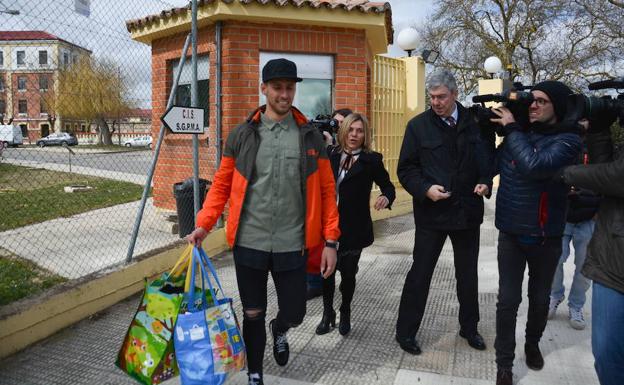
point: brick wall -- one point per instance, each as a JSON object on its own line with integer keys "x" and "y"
{"x": 32, "y": 95}
{"x": 241, "y": 47}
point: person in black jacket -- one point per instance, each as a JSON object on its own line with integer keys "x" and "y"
{"x": 315, "y": 278}
{"x": 582, "y": 207}
{"x": 443, "y": 164}
{"x": 355, "y": 168}
{"x": 530, "y": 215}
{"x": 605, "y": 258}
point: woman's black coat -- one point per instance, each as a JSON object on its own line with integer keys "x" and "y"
{"x": 356, "y": 225}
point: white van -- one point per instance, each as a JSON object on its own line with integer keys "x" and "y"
{"x": 10, "y": 135}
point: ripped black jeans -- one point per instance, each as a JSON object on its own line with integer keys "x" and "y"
{"x": 290, "y": 286}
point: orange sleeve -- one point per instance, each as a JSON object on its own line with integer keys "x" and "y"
{"x": 218, "y": 194}
{"x": 329, "y": 215}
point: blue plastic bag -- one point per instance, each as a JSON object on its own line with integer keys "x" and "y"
{"x": 207, "y": 339}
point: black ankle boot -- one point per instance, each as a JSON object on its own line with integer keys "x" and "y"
{"x": 329, "y": 319}
{"x": 534, "y": 358}
{"x": 345, "y": 322}
{"x": 504, "y": 376}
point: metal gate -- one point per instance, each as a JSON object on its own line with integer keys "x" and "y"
{"x": 389, "y": 104}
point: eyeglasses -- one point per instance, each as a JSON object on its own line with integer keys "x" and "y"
{"x": 541, "y": 101}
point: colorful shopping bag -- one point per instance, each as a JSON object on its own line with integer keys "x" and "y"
{"x": 208, "y": 343}
{"x": 147, "y": 351}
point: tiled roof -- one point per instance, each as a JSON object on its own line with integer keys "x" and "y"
{"x": 365, "y": 6}
{"x": 27, "y": 35}
{"x": 32, "y": 35}
{"x": 139, "y": 113}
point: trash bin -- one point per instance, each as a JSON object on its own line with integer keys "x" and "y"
{"x": 183, "y": 193}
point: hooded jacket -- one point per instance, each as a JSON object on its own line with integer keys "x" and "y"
{"x": 237, "y": 165}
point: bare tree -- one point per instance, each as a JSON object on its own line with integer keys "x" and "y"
{"x": 609, "y": 16}
{"x": 535, "y": 40}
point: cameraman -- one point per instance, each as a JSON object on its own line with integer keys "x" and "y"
{"x": 605, "y": 259}
{"x": 530, "y": 214}
{"x": 338, "y": 115}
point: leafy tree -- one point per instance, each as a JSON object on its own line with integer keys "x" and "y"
{"x": 92, "y": 90}
{"x": 535, "y": 39}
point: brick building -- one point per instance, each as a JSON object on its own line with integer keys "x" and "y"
{"x": 29, "y": 65}
{"x": 333, "y": 43}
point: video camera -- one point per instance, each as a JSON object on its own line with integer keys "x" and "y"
{"x": 605, "y": 109}
{"x": 516, "y": 99}
{"x": 325, "y": 123}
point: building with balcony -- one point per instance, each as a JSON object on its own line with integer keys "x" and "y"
{"x": 30, "y": 62}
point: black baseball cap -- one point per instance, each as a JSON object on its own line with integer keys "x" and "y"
{"x": 280, "y": 69}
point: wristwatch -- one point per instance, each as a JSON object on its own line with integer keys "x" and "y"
{"x": 332, "y": 245}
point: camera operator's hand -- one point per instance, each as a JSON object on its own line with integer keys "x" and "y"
{"x": 505, "y": 116}
{"x": 329, "y": 140}
{"x": 437, "y": 192}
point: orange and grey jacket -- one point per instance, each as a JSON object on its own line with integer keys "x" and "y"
{"x": 237, "y": 165}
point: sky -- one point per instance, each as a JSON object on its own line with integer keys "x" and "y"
{"x": 104, "y": 31}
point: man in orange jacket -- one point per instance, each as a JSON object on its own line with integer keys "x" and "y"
{"x": 276, "y": 175}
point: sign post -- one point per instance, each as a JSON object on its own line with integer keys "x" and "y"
{"x": 184, "y": 120}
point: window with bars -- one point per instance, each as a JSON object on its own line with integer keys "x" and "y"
{"x": 183, "y": 92}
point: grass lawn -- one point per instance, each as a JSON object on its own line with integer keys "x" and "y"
{"x": 20, "y": 279}
{"x": 32, "y": 195}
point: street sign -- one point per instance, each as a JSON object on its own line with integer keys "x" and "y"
{"x": 184, "y": 120}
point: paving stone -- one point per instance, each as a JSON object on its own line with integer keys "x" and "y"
{"x": 85, "y": 353}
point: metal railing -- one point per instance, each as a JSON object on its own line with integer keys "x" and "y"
{"x": 388, "y": 115}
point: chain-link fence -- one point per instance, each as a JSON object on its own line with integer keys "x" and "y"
{"x": 77, "y": 135}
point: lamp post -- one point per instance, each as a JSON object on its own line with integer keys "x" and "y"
{"x": 407, "y": 40}
{"x": 493, "y": 65}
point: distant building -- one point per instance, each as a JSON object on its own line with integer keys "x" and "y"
{"x": 136, "y": 120}
{"x": 30, "y": 62}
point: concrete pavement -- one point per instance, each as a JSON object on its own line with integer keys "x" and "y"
{"x": 85, "y": 243}
{"x": 84, "y": 353}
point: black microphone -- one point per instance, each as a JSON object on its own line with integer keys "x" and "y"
{"x": 613, "y": 83}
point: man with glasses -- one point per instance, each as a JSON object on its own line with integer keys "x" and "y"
{"x": 530, "y": 214}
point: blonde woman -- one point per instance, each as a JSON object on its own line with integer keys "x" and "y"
{"x": 355, "y": 168}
